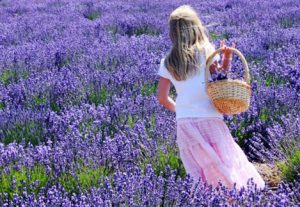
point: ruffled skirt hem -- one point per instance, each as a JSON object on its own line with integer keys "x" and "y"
{"x": 208, "y": 150}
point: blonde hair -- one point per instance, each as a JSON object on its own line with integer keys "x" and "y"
{"x": 189, "y": 37}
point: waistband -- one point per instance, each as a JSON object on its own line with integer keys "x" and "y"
{"x": 191, "y": 119}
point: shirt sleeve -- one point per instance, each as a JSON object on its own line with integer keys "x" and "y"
{"x": 162, "y": 70}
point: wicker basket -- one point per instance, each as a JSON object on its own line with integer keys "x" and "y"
{"x": 229, "y": 96}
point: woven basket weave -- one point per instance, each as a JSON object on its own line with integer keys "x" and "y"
{"x": 229, "y": 96}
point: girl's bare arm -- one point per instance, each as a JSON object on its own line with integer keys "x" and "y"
{"x": 227, "y": 56}
{"x": 225, "y": 66}
{"x": 226, "y": 60}
{"x": 164, "y": 86}
{"x": 226, "y": 63}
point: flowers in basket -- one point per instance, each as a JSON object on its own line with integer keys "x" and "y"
{"x": 219, "y": 75}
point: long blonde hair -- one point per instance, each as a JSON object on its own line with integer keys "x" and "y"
{"x": 189, "y": 37}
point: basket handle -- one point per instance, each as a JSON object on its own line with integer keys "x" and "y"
{"x": 241, "y": 56}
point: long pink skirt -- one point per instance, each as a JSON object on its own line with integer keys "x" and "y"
{"x": 208, "y": 150}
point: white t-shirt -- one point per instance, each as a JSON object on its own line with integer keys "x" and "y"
{"x": 192, "y": 100}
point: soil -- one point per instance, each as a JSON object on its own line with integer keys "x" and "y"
{"x": 270, "y": 173}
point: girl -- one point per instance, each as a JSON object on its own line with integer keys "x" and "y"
{"x": 206, "y": 147}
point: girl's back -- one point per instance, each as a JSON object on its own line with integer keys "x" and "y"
{"x": 192, "y": 99}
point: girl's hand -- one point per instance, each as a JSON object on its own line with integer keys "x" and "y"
{"x": 227, "y": 53}
{"x": 227, "y": 56}
{"x": 164, "y": 99}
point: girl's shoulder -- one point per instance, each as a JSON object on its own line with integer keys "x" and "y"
{"x": 162, "y": 70}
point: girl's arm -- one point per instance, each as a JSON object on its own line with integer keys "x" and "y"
{"x": 227, "y": 56}
{"x": 164, "y": 86}
{"x": 226, "y": 60}
{"x": 226, "y": 63}
{"x": 225, "y": 66}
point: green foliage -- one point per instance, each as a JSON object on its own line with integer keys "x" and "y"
{"x": 274, "y": 79}
{"x": 264, "y": 114}
{"x": 137, "y": 31}
{"x": 152, "y": 121}
{"x": 215, "y": 36}
{"x": 92, "y": 15}
{"x": 9, "y": 76}
{"x": 151, "y": 124}
{"x": 54, "y": 106}
{"x": 242, "y": 137}
{"x": 98, "y": 96}
{"x": 291, "y": 168}
{"x": 39, "y": 100}
{"x": 33, "y": 179}
{"x": 268, "y": 115}
{"x": 148, "y": 89}
{"x": 86, "y": 126}
{"x": 142, "y": 30}
{"x": 31, "y": 131}
{"x": 131, "y": 120}
{"x": 163, "y": 159}
{"x": 289, "y": 144}
{"x": 2, "y": 105}
{"x": 84, "y": 178}
{"x": 225, "y": 36}
{"x": 287, "y": 22}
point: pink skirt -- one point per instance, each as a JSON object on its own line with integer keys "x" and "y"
{"x": 208, "y": 150}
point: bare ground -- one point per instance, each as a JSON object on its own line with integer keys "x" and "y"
{"x": 270, "y": 173}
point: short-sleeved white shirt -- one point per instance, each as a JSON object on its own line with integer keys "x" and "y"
{"x": 191, "y": 100}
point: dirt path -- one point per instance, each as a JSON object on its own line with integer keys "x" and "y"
{"x": 270, "y": 173}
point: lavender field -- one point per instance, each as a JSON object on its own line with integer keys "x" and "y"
{"x": 80, "y": 124}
